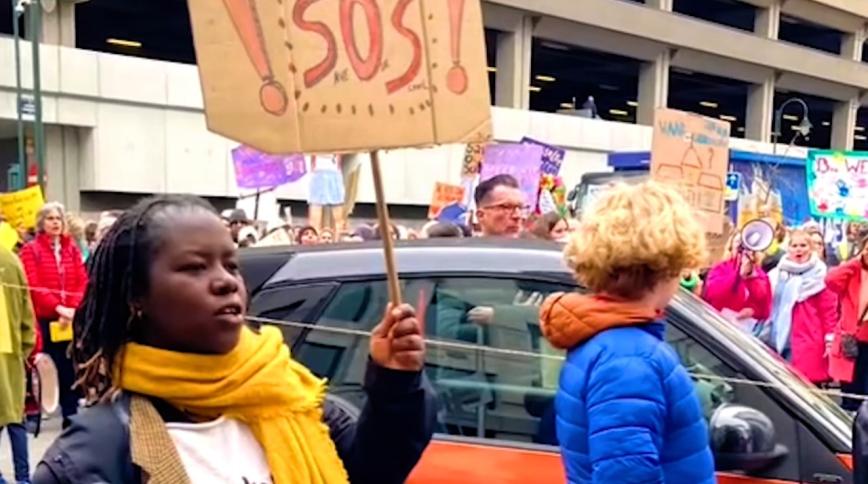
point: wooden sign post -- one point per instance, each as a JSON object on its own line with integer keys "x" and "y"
{"x": 344, "y": 76}
{"x": 385, "y": 231}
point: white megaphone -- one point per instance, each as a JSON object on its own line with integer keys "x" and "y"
{"x": 757, "y": 235}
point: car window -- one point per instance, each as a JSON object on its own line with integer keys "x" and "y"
{"x": 494, "y": 374}
{"x": 283, "y": 305}
{"x": 718, "y": 382}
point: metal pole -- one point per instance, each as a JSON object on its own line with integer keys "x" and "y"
{"x": 22, "y": 158}
{"x": 38, "y": 133}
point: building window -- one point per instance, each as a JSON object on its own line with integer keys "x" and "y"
{"x": 155, "y": 30}
{"x": 564, "y": 77}
{"x": 491, "y": 36}
{"x": 809, "y": 34}
{"x": 731, "y": 13}
{"x": 860, "y": 136}
{"x": 712, "y": 96}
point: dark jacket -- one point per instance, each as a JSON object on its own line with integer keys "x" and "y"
{"x": 379, "y": 445}
{"x": 860, "y": 446}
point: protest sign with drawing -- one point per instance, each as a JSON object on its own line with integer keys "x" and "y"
{"x": 552, "y": 157}
{"x": 298, "y": 76}
{"x": 444, "y": 195}
{"x": 20, "y": 208}
{"x": 692, "y": 152}
{"x": 838, "y": 184}
{"x": 522, "y": 161}
{"x": 257, "y": 170}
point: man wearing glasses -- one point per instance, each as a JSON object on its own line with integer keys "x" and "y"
{"x": 501, "y": 207}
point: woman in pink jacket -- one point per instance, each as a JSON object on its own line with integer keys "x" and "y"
{"x": 850, "y": 282}
{"x": 804, "y": 310}
{"x": 739, "y": 286}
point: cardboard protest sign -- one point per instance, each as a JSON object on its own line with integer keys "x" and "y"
{"x": 302, "y": 76}
{"x": 716, "y": 246}
{"x": 473, "y": 154}
{"x": 277, "y": 238}
{"x": 20, "y": 208}
{"x": 520, "y": 161}
{"x": 692, "y": 152}
{"x": 257, "y": 170}
{"x": 838, "y": 184}
{"x": 444, "y": 195}
{"x": 552, "y": 157}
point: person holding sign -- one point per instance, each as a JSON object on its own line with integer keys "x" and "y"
{"x": 162, "y": 338}
{"x": 57, "y": 279}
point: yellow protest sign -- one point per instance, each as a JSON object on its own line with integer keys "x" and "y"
{"x": 692, "y": 152}
{"x": 60, "y": 331}
{"x": 343, "y": 76}
{"x": 20, "y": 208}
{"x": 8, "y": 236}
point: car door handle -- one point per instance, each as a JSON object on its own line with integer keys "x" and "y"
{"x": 830, "y": 478}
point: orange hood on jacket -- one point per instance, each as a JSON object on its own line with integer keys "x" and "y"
{"x": 567, "y": 319}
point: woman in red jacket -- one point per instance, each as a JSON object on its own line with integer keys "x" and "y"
{"x": 804, "y": 310}
{"x": 57, "y": 279}
{"x": 848, "y": 281}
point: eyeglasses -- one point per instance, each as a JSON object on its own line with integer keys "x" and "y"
{"x": 509, "y": 208}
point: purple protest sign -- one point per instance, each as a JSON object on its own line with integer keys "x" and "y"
{"x": 257, "y": 170}
{"x": 552, "y": 156}
{"x": 519, "y": 160}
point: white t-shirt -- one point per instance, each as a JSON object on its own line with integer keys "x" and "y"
{"x": 220, "y": 451}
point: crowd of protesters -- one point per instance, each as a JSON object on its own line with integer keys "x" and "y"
{"x": 805, "y": 299}
{"x": 501, "y": 212}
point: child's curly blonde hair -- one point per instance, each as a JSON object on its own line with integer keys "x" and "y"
{"x": 635, "y": 237}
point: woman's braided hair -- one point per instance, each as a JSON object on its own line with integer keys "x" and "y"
{"x": 118, "y": 274}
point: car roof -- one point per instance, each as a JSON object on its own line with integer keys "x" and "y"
{"x": 442, "y": 255}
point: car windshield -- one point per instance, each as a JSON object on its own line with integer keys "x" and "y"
{"x": 832, "y": 414}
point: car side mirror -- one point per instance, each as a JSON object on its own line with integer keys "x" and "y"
{"x": 743, "y": 439}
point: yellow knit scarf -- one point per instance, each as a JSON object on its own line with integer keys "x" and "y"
{"x": 257, "y": 383}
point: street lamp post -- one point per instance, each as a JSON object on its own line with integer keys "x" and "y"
{"x": 804, "y": 127}
{"x": 17, "y": 10}
{"x": 38, "y": 128}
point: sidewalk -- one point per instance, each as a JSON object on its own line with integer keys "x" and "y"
{"x": 38, "y": 446}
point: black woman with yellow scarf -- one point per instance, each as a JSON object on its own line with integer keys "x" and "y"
{"x": 182, "y": 391}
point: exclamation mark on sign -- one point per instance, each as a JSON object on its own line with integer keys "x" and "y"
{"x": 272, "y": 95}
{"x": 456, "y": 79}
